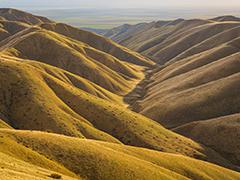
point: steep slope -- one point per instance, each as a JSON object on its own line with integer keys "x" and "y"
{"x": 58, "y": 79}
{"x": 52, "y": 103}
{"x": 172, "y": 48}
{"x": 99, "y": 42}
{"x": 165, "y": 40}
{"x": 3, "y": 34}
{"x": 201, "y": 83}
{"x": 4, "y": 124}
{"x": 111, "y": 62}
{"x": 97, "y": 160}
{"x": 76, "y": 57}
{"x": 202, "y": 93}
{"x": 227, "y": 141}
{"x": 125, "y": 31}
{"x": 8, "y": 28}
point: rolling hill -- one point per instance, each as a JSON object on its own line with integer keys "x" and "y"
{"x": 227, "y": 130}
{"x": 164, "y": 41}
{"x": 63, "y": 109}
{"x": 198, "y": 80}
{"x": 88, "y": 159}
{"x": 52, "y": 99}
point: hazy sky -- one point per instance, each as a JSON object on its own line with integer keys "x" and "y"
{"x": 118, "y": 3}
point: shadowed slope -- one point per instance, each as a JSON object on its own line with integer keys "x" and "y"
{"x": 171, "y": 49}
{"x": 8, "y": 28}
{"x": 224, "y": 133}
{"x": 197, "y": 94}
{"x": 4, "y": 124}
{"x": 164, "y": 41}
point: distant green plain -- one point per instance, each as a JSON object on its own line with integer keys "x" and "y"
{"x": 109, "y": 18}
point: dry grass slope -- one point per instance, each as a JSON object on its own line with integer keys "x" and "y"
{"x": 227, "y": 140}
{"x": 53, "y": 104}
{"x": 198, "y": 81}
{"x": 58, "y": 79}
{"x": 97, "y": 160}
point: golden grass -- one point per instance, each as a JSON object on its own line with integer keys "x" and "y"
{"x": 78, "y": 58}
{"x": 97, "y": 160}
{"x": 100, "y": 43}
{"x": 53, "y": 104}
{"x": 58, "y": 79}
{"x": 4, "y": 124}
{"x": 13, "y": 168}
{"x": 224, "y": 133}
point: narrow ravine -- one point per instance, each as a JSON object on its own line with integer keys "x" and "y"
{"x": 140, "y": 90}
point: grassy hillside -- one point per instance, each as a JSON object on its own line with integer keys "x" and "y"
{"x": 99, "y": 42}
{"x": 63, "y": 102}
{"x": 13, "y": 168}
{"x": 227, "y": 140}
{"x": 164, "y": 41}
{"x": 202, "y": 93}
{"x": 76, "y": 57}
{"x": 198, "y": 81}
{"x": 55, "y": 105}
{"x": 97, "y": 160}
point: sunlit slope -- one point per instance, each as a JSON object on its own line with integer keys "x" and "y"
{"x": 97, "y": 160}
{"x": 69, "y": 78}
{"x": 13, "y": 168}
{"x": 58, "y": 79}
{"x": 34, "y": 98}
{"x": 28, "y": 103}
{"x": 99, "y": 42}
{"x": 225, "y": 36}
{"x": 21, "y": 162}
{"x": 76, "y": 57}
{"x": 199, "y": 79}
{"x": 224, "y": 133}
{"x": 4, "y": 124}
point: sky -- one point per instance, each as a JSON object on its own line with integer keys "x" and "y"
{"x": 119, "y": 3}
